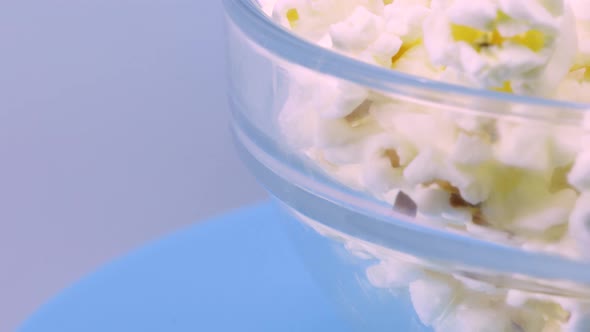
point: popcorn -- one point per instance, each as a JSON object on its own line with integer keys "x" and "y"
{"x": 298, "y": 122}
{"x": 358, "y": 31}
{"x": 383, "y": 160}
{"x": 419, "y": 127}
{"x": 290, "y": 12}
{"x": 573, "y": 88}
{"x": 471, "y": 150}
{"x": 432, "y": 200}
{"x": 523, "y": 146}
{"x": 429, "y": 166}
{"x": 387, "y": 146}
{"x": 404, "y": 18}
{"x": 579, "y": 176}
{"x": 581, "y": 9}
{"x": 432, "y": 297}
{"x": 479, "y": 14}
{"x": 502, "y": 175}
{"x": 393, "y": 273}
{"x": 346, "y": 154}
{"x": 536, "y": 13}
{"x": 504, "y": 45}
{"x": 311, "y": 18}
{"x": 267, "y": 6}
{"x": 476, "y": 316}
{"x": 579, "y": 224}
{"x": 460, "y": 302}
{"x": 480, "y": 287}
{"x": 553, "y": 211}
{"x": 340, "y": 99}
{"x": 383, "y": 49}
{"x": 338, "y": 132}
{"x": 413, "y": 59}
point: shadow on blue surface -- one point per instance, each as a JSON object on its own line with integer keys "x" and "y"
{"x": 237, "y": 272}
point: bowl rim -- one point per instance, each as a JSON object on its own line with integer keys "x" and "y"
{"x": 275, "y": 39}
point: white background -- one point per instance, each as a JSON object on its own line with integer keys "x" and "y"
{"x": 113, "y": 132}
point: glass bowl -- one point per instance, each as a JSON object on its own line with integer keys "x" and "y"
{"x": 388, "y": 259}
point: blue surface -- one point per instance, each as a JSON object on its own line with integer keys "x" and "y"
{"x": 233, "y": 273}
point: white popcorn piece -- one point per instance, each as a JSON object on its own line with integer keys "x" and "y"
{"x": 404, "y": 18}
{"x": 579, "y": 176}
{"x": 383, "y": 159}
{"x": 348, "y": 174}
{"x": 458, "y": 216}
{"x": 325, "y": 41}
{"x": 476, "y": 316}
{"x": 338, "y": 99}
{"x": 267, "y": 6}
{"x": 291, "y": 13}
{"x": 513, "y": 62}
{"x": 311, "y": 19}
{"x": 432, "y": 200}
{"x": 572, "y": 88}
{"x": 523, "y": 146}
{"x": 359, "y": 30}
{"x": 429, "y": 166}
{"x": 432, "y": 297}
{"x": 566, "y": 145}
{"x": 380, "y": 145}
{"x": 537, "y": 311}
{"x": 479, "y": 14}
{"x": 383, "y": 49}
{"x": 383, "y": 113}
{"x": 415, "y": 61}
{"x": 579, "y": 224}
{"x": 534, "y": 12}
{"x": 481, "y": 287}
{"x": 340, "y": 132}
{"x": 553, "y": 211}
{"x": 581, "y": 8}
{"x": 473, "y": 123}
{"x": 533, "y": 320}
{"x": 471, "y": 150}
{"x": 435, "y": 204}
{"x": 380, "y": 177}
{"x": 345, "y": 154}
{"x": 546, "y": 81}
{"x": 298, "y": 122}
{"x": 516, "y": 193}
{"x": 393, "y": 274}
{"x": 423, "y": 130}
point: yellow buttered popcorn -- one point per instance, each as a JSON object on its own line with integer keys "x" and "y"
{"x": 525, "y": 47}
